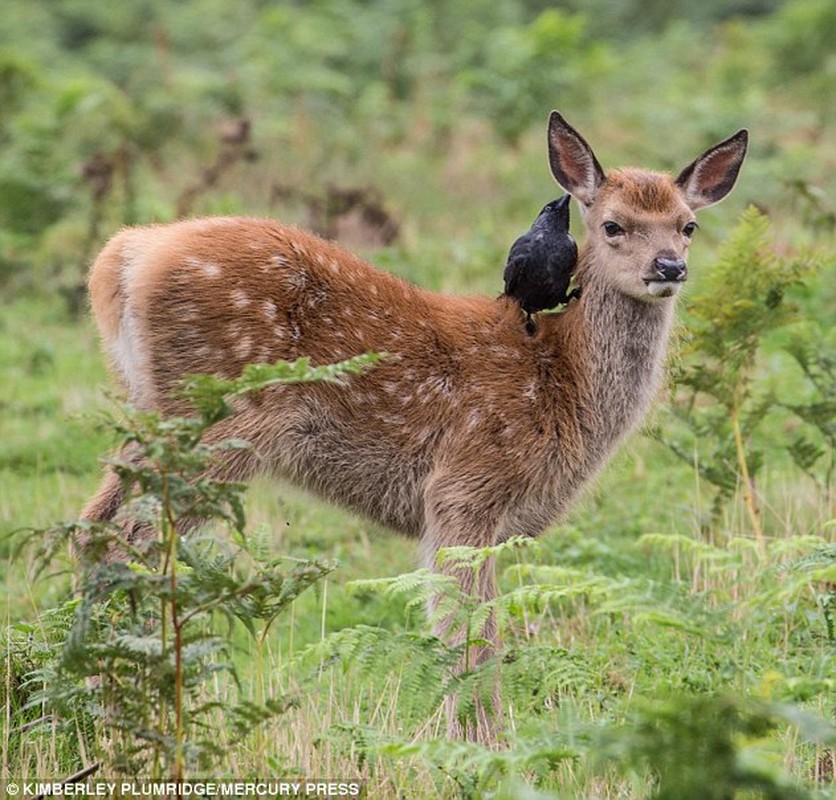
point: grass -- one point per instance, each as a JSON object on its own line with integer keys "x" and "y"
{"x": 631, "y": 603}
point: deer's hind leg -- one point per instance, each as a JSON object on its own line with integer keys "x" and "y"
{"x": 103, "y": 507}
{"x": 237, "y": 464}
{"x": 104, "y": 504}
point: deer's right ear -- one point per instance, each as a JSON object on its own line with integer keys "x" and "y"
{"x": 572, "y": 161}
{"x": 711, "y": 177}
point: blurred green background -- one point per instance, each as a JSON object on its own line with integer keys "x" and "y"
{"x": 118, "y": 113}
{"x": 414, "y": 133}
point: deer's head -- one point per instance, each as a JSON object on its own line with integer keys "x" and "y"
{"x": 640, "y": 222}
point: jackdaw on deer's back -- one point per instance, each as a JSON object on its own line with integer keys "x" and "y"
{"x": 541, "y": 262}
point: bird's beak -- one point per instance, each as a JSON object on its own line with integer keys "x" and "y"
{"x": 561, "y": 211}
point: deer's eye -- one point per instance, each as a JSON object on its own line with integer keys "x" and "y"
{"x": 689, "y": 229}
{"x": 613, "y": 229}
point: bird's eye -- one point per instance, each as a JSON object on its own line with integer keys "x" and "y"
{"x": 689, "y": 229}
{"x": 613, "y": 229}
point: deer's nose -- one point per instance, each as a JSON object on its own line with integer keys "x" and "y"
{"x": 670, "y": 269}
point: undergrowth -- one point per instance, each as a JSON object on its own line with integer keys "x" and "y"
{"x": 153, "y": 623}
{"x": 641, "y": 659}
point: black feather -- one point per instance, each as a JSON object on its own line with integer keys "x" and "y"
{"x": 541, "y": 262}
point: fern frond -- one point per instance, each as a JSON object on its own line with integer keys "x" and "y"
{"x": 475, "y": 557}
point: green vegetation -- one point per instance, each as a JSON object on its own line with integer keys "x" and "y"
{"x": 141, "y": 647}
{"x": 675, "y": 638}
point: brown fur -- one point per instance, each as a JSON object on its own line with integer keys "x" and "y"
{"x": 643, "y": 191}
{"x": 471, "y": 430}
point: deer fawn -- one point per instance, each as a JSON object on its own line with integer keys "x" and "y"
{"x": 472, "y": 430}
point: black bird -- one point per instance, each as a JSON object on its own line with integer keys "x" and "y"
{"x": 541, "y": 262}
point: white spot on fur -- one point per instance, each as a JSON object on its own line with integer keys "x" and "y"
{"x": 240, "y": 299}
{"x": 279, "y": 260}
{"x": 334, "y": 266}
{"x": 473, "y": 418}
{"x": 279, "y": 332}
{"x": 244, "y": 347}
{"x": 270, "y": 309}
{"x": 435, "y": 385}
{"x": 366, "y": 399}
{"x": 373, "y": 289}
{"x": 509, "y": 431}
{"x": 209, "y": 269}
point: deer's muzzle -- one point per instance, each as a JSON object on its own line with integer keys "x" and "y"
{"x": 665, "y": 276}
{"x": 670, "y": 269}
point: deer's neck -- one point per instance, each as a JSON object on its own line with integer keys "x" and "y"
{"x": 623, "y": 342}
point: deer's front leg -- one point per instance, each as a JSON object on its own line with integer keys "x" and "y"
{"x": 453, "y": 522}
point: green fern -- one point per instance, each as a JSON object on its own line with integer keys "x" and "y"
{"x": 814, "y": 350}
{"x": 708, "y": 747}
{"x": 420, "y": 664}
{"x": 210, "y": 396}
{"x": 146, "y": 630}
{"x": 742, "y": 299}
{"x": 474, "y": 558}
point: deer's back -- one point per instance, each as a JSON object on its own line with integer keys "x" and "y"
{"x": 463, "y": 387}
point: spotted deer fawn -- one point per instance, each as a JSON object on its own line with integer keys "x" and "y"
{"x": 471, "y": 430}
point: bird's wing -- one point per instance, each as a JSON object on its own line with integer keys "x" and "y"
{"x": 515, "y": 266}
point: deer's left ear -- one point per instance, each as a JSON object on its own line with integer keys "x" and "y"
{"x": 572, "y": 161}
{"x": 713, "y": 174}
